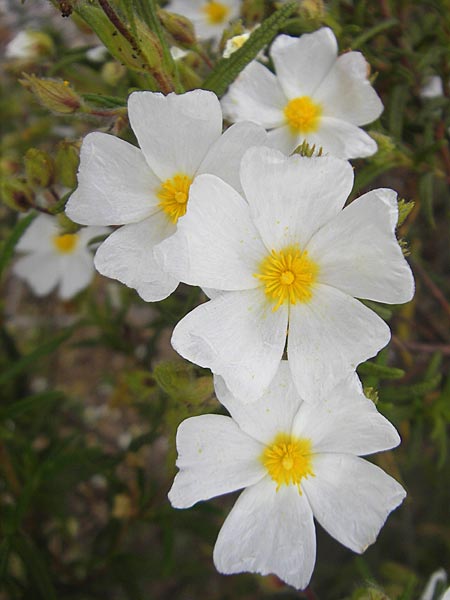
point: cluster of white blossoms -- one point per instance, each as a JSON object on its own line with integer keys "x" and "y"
{"x": 285, "y": 266}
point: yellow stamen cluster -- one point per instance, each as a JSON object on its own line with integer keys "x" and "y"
{"x": 288, "y": 460}
{"x": 216, "y": 12}
{"x": 66, "y": 243}
{"x": 173, "y": 195}
{"x": 288, "y": 275}
{"x": 302, "y": 114}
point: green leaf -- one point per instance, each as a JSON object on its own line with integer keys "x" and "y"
{"x": 426, "y": 184}
{"x": 372, "y": 32}
{"x": 104, "y": 100}
{"x": 29, "y": 359}
{"x": 228, "y": 69}
{"x": 30, "y": 403}
{"x": 36, "y": 566}
{"x": 380, "y": 371}
{"x": 7, "y": 249}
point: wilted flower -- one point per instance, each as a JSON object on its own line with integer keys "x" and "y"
{"x": 147, "y": 190}
{"x": 287, "y": 262}
{"x": 56, "y": 259}
{"x": 295, "y": 461}
{"x": 314, "y": 96}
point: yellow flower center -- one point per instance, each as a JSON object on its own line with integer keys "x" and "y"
{"x": 288, "y": 460}
{"x": 216, "y": 12}
{"x": 173, "y": 195}
{"x": 66, "y": 243}
{"x": 288, "y": 275}
{"x": 302, "y": 114}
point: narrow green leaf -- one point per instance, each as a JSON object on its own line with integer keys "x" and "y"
{"x": 228, "y": 69}
{"x": 411, "y": 392}
{"x": 372, "y": 32}
{"x": 426, "y": 184}
{"x": 36, "y": 566}
{"x": 7, "y": 248}
{"x": 29, "y": 359}
{"x": 381, "y": 371}
{"x": 36, "y": 401}
{"x": 398, "y": 99}
{"x": 104, "y": 100}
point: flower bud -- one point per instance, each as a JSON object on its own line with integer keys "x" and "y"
{"x": 56, "y": 95}
{"x": 179, "y": 27}
{"x": 39, "y": 168}
{"x": 112, "y": 72}
{"x": 66, "y": 163}
{"x": 17, "y": 194}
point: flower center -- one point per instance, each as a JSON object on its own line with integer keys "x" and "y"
{"x": 288, "y": 460}
{"x": 302, "y": 114}
{"x": 216, "y": 12}
{"x": 66, "y": 243}
{"x": 173, "y": 195}
{"x": 288, "y": 275}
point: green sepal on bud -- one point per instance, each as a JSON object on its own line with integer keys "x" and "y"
{"x": 17, "y": 194}
{"x": 371, "y": 393}
{"x": 180, "y": 29}
{"x": 66, "y": 163}
{"x": 39, "y": 168}
{"x": 54, "y": 94}
{"x": 405, "y": 208}
{"x": 179, "y": 381}
{"x": 309, "y": 151}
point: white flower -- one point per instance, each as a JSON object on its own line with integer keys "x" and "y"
{"x": 210, "y": 17}
{"x": 56, "y": 259}
{"x": 234, "y": 43}
{"x": 295, "y": 461}
{"x": 27, "y": 45}
{"x": 314, "y": 96}
{"x": 432, "y": 88}
{"x": 147, "y": 190}
{"x": 286, "y": 258}
{"x": 437, "y": 578}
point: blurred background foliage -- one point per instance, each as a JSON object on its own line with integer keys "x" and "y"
{"x": 91, "y": 392}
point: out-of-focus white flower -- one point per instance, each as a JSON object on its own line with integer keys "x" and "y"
{"x": 56, "y": 259}
{"x": 147, "y": 190}
{"x": 28, "y": 45}
{"x": 209, "y": 17}
{"x": 432, "y": 88}
{"x": 437, "y": 578}
{"x": 97, "y": 54}
{"x": 295, "y": 461}
{"x": 288, "y": 262}
{"x": 314, "y": 96}
{"x": 178, "y": 53}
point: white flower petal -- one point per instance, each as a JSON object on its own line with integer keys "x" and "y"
{"x": 237, "y": 336}
{"x": 77, "y": 273}
{"x": 328, "y": 337}
{"x": 87, "y": 234}
{"x": 115, "y": 184}
{"x": 342, "y": 139}
{"x": 284, "y": 140}
{"x": 269, "y": 531}
{"x": 224, "y": 157}
{"x": 214, "y": 457}
{"x": 255, "y": 96}
{"x": 175, "y": 131}
{"x": 291, "y": 198}
{"x": 347, "y": 94}
{"x": 41, "y": 271}
{"x": 439, "y": 576}
{"x": 273, "y": 413}
{"x": 358, "y": 251}
{"x": 216, "y": 244}
{"x": 346, "y": 421}
{"x": 38, "y": 235}
{"x": 302, "y": 63}
{"x": 127, "y": 255}
{"x": 351, "y": 498}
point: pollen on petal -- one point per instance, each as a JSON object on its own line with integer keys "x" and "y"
{"x": 288, "y": 460}
{"x": 288, "y": 276}
{"x": 66, "y": 243}
{"x": 303, "y": 114}
{"x": 173, "y": 195}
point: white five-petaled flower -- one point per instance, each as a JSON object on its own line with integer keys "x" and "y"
{"x": 209, "y": 17}
{"x": 146, "y": 190}
{"x": 295, "y": 461}
{"x": 314, "y": 95}
{"x": 286, "y": 261}
{"x": 56, "y": 259}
